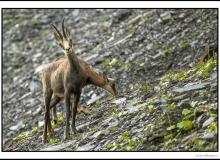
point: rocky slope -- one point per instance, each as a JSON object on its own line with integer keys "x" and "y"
{"x": 167, "y": 91}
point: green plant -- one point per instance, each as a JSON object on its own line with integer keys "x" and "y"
{"x": 198, "y": 144}
{"x": 21, "y": 137}
{"x": 168, "y": 51}
{"x": 60, "y": 118}
{"x": 170, "y": 107}
{"x": 212, "y": 128}
{"x": 53, "y": 124}
{"x": 34, "y": 130}
{"x": 53, "y": 141}
{"x": 151, "y": 109}
{"x": 186, "y": 112}
{"x": 204, "y": 69}
{"x": 183, "y": 45}
{"x": 171, "y": 127}
{"x": 185, "y": 125}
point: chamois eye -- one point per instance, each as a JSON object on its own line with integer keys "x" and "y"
{"x": 68, "y": 49}
{"x": 61, "y": 46}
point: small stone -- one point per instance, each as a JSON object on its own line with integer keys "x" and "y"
{"x": 182, "y": 15}
{"x": 114, "y": 123}
{"x": 180, "y": 97}
{"x": 34, "y": 86}
{"x": 37, "y": 111}
{"x": 119, "y": 101}
{"x": 93, "y": 56}
{"x": 40, "y": 124}
{"x": 160, "y": 54}
{"x": 18, "y": 126}
{"x": 75, "y": 13}
{"x": 149, "y": 46}
{"x": 28, "y": 113}
{"x": 58, "y": 147}
{"x": 190, "y": 137}
{"x": 208, "y": 136}
{"x": 94, "y": 98}
{"x": 191, "y": 86}
{"x": 214, "y": 75}
{"x": 166, "y": 15}
{"x": 131, "y": 108}
{"x": 98, "y": 135}
{"x": 86, "y": 147}
{"x": 208, "y": 122}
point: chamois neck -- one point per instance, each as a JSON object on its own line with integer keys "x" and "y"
{"x": 96, "y": 79}
{"x": 74, "y": 62}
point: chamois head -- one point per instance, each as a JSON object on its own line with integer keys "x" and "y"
{"x": 109, "y": 85}
{"x": 65, "y": 40}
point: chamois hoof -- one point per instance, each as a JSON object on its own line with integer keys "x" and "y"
{"x": 73, "y": 131}
{"x": 44, "y": 141}
{"x": 66, "y": 136}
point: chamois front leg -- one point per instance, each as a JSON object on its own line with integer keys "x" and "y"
{"x": 47, "y": 125}
{"x": 67, "y": 128}
{"x": 74, "y": 111}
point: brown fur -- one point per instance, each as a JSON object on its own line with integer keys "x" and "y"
{"x": 65, "y": 78}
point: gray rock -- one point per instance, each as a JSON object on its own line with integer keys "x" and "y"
{"x": 189, "y": 137}
{"x": 28, "y": 113}
{"x": 208, "y": 122}
{"x": 82, "y": 126}
{"x": 191, "y": 86}
{"x": 95, "y": 98}
{"x": 208, "y": 136}
{"x": 86, "y": 147}
{"x": 131, "y": 108}
{"x": 18, "y": 126}
{"x": 214, "y": 75}
{"x": 40, "y": 124}
{"x": 98, "y": 135}
{"x": 93, "y": 56}
{"x": 160, "y": 54}
{"x": 75, "y": 13}
{"x": 119, "y": 101}
{"x": 115, "y": 123}
{"x": 58, "y": 147}
{"x": 166, "y": 15}
{"x": 38, "y": 110}
{"x": 149, "y": 46}
{"x": 182, "y": 96}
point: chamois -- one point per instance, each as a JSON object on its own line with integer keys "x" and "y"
{"x": 65, "y": 78}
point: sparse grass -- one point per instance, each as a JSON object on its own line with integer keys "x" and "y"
{"x": 108, "y": 65}
{"x": 25, "y": 135}
{"x": 53, "y": 141}
{"x": 123, "y": 142}
{"x": 204, "y": 69}
{"x": 183, "y": 45}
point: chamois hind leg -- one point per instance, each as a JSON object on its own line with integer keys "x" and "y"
{"x": 74, "y": 111}
{"x": 54, "y": 102}
{"x": 67, "y": 103}
{"x": 47, "y": 124}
